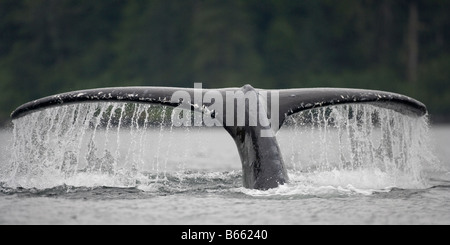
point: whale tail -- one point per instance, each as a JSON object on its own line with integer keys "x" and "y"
{"x": 251, "y": 116}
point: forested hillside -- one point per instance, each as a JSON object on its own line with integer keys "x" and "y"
{"x": 51, "y": 46}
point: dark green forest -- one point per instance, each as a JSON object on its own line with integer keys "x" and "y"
{"x": 52, "y": 46}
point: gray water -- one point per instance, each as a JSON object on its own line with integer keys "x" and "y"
{"x": 193, "y": 176}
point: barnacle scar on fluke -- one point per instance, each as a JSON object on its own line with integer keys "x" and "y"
{"x": 262, "y": 163}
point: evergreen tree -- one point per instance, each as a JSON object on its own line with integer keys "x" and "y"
{"x": 221, "y": 47}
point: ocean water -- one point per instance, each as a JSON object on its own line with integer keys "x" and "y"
{"x": 100, "y": 170}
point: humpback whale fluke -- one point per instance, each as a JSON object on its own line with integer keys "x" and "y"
{"x": 262, "y": 110}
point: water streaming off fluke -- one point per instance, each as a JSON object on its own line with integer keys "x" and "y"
{"x": 132, "y": 144}
{"x": 357, "y": 145}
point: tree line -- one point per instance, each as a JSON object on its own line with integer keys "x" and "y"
{"x": 52, "y": 46}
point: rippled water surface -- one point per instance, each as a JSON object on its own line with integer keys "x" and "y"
{"x": 193, "y": 176}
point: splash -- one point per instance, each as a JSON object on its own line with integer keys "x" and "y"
{"x": 108, "y": 142}
{"x": 340, "y": 149}
{"x": 357, "y": 145}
